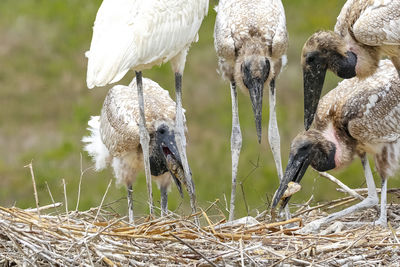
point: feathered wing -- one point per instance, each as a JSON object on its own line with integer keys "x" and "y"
{"x": 376, "y": 107}
{"x": 342, "y": 22}
{"x": 139, "y": 34}
{"x": 379, "y": 24}
{"x": 223, "y": 40}
{"x": 95, "y": 146}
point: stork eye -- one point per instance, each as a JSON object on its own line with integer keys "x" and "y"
{"x": 304, "y": 147}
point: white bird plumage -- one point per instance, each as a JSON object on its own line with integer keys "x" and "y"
{"x": 138, "y": 34}
{"x": 115, "y": 139}
{"x": 129, "y": 34}
{"x": 251, "y": 35}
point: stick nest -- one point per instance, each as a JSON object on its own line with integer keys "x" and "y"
{"x": 101, "y": 237}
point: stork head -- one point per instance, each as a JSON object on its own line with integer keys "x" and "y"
{"x": 308, "y": 148}
{"x": 164, "y": 155}
{"x": 252, "y": 72}
{"x": 323, "y": 50}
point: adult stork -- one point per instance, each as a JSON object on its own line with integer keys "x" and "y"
{"x": 359, "y": 116}
{"x": 115, "y": 138}
{"x": 251, "y": 40}
{"x": 138, "y": 34}
{"x": 365, "y": 31}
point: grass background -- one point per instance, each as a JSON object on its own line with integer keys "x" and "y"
{"x": 45, "y": 106}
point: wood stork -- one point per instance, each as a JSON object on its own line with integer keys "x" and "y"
{"x": 251, "y": 40}
{"x": 115, "y": 138}
{"x": 138, "y": 34}
{"x": 359, "y": 116}
{"x": 365, "y": 31}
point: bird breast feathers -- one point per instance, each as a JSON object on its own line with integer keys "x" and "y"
{"x": 238, "y": 21}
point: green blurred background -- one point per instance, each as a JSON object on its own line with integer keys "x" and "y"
{"x": 45, "y": 106}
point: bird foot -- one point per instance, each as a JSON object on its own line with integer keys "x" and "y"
{"x": 336, "y": 227}
{"x": 311, "y": 228}
{"x": 382, "y": 222}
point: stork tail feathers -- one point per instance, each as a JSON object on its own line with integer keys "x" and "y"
{"x": 95, "y": 146}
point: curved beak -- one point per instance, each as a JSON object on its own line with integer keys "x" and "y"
{"x": 256, "y": 97}
{"x": 297, "y": 166}
{"x": 313, "y": 77}
{"x": 173, "y": 160}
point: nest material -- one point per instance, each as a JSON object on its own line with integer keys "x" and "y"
{"x": 100, "y": 237}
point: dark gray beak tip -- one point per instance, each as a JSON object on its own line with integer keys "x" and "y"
{"x": 259, "y": 130}
{"x": 308, "y": 119}
{"x": 180, "y": 191}
{"x": 256, "y": 101}
{"x": 277, "y": 196}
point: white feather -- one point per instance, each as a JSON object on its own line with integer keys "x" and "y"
{"x": 95, "y": 146}
{"x": 138, "y": 34}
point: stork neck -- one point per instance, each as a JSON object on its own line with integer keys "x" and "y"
{"x": 330, "y": 134}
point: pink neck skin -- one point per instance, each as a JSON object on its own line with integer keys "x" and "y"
{"x": 330, "y": 135}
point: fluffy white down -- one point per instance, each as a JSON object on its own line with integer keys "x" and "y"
{"x": 95, "y": 146}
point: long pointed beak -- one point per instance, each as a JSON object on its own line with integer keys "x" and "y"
{"x": 173, "y": 160}
{"x": 313, "y": 76}
{"x": 297, "y": 166}
{"x": 256, "y": 97}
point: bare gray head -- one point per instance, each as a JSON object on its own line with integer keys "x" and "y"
{"x": 308, "y": 148}
{"x": 164, "y": 154}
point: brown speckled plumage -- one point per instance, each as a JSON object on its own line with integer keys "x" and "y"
{"x": 358, "y": 117}
{"x": 119, "y": 123}
{"x": 251, "y": 40}
{"x": 365, "y": 115}
{"x": 369, "y": 28}
{"x": 249, "y": 27}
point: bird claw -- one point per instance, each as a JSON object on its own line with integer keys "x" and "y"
{"x": 333, "y": 228}
{"x": 381, "y": 222}
{"x": 310, "y": 228}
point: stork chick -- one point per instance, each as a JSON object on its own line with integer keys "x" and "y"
{"x": 359, "y": 116}
{"x": 139, "y": 34}
{"x": 251, "y": 40}
{"x": 364, "y": 32}
{"x": 115, "y": 138}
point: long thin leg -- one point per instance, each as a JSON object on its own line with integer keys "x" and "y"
{"x": 164, "y": 201}
{"x": 383, "y": 217}
{"x": 130, "y": 205}
{"x": 181, "y": 142}
{"x": 236, "y": 145}
{"x": 370, "y": 201}
{"x": 274, "y": 138}
{"x": 144, "y": 139}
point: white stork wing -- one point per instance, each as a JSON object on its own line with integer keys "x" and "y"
{"x": 379, "y": 24}
{"x": 139, "y": 34}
